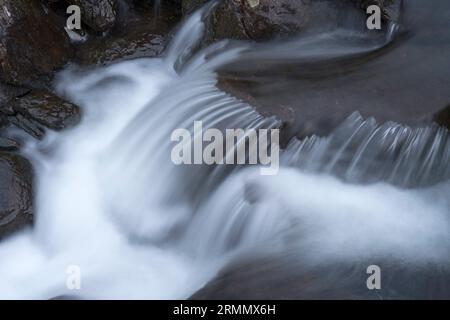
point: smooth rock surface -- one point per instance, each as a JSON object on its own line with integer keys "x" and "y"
{"x": 286, "y": 276}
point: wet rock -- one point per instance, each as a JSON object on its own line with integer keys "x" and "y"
{"x": 143, "y": 35}
{"x": 443, "y": 117}
{"x": 267, "y": 19}
{"x": 29, "y": 126}
{"x": 33, "y": 42}
{"x": 136, "y": 44}
{"x": 15, "y": 193}
{"x": 262, "y": 278}
{"x": 8, "y": 92}
{"x": 42, "y": 109}
{"x": 287, "y": 276}
{"x": 100, "y": 15}
{"x": 7, "y": 144}
{"x": 259, "y": 20}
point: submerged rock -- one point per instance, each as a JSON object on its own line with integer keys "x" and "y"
{"x": 33, "y": 42}
{"x": 40, "y": 109}
{"x": 15, "y": 193}
{"x": 100, "y": 15}
{"x": 287, "y": 276}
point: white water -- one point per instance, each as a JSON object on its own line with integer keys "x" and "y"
{"x": 110, "y": 201}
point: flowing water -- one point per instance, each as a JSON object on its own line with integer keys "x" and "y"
{"x": 110, "y": 201}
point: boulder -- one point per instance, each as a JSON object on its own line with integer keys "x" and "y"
{"x": 15, "y": 193}
{"x": 42, "y": 109}
{"x": 33, "y": 42}
{"x": 135, "y": 44}
{"x": 143, "y": 34}
{"x": 259, "y": 20}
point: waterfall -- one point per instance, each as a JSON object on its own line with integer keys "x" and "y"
{"x": 361, "y": 151}
{"x": 110, "y": 201}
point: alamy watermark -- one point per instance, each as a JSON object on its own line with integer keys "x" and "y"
{"x": 374, "y": 280}
{"x": 74, "y": 20}
{"x": 73, "y": 280}
{"x": 374, "y": 20}
{"x": 236, "y": 146}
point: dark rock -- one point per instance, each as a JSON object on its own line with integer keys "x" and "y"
{"x": 443, "y": 117}
{"x": 263, "y": 278}
{"x": 260, "y": 19}
{"x": 100, "y": 15}
{"x": 8, "y": 92}
{"x": 44, "y": 109}
{"x": 267, "y": 19}
{"x": 7, "y": 144}
{"x": 3, "y": 120}
{"x": 29, "y": 126}
{"x": 143, "y": 35}
{"x": 136, "y": 44}
{"x": 33, "y": 42}
{"x": 15, "y": 193}
{"x": 287, "y": 276}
